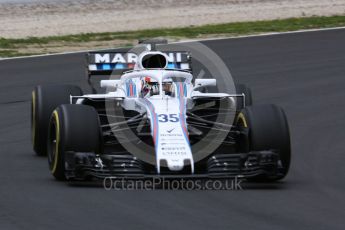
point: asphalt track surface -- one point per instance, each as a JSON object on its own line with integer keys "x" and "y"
{"x": 304, "y": 73}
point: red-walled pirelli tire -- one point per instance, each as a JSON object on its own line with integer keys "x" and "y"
{"x": 74, "y": 128}
{"x": 268, "y": 130}
{"x": 44, "y": 99}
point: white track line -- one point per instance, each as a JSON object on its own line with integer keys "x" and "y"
{"x": 186, "y": 41}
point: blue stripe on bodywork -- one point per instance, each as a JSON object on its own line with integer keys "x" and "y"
{"x": 127, "y": 89}
{"x": 106, "y": 67}
{"x": 120, "y": 66}
{"x": 182, "y": 105}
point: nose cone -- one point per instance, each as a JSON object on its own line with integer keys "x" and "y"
{"x": 175, "y": 164}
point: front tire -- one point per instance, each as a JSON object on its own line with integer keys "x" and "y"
{"x": 73, "y": 128}
{"x": 268, "y": 130}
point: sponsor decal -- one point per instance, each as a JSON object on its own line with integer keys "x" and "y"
{"x": 170, "y": 130}
{"x": 133, "y": 58}
{"x": 170, "y": 135}
{"x": 115, "y": 58}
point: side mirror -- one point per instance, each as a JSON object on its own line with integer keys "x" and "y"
{"x": 111, "y": 84}
{"x": 199, "y": 83}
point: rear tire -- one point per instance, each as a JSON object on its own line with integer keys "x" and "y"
{"x": 74, "y": 128}
{"x": 44, "y": 100}
{"x": 268, "y": 129}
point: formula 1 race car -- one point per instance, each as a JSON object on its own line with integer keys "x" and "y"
{"x": 156, "y": 120}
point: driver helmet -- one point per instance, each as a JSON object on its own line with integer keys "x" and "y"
{"x": 145, "y": 86}
{"x": 149, "y": 87}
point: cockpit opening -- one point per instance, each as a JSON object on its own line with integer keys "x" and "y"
{"x": 151, "y": 87}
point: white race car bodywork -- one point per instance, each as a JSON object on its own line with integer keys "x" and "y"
{"x": 167, "y": 113}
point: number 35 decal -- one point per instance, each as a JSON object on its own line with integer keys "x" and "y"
{"x": 168, "y": 117}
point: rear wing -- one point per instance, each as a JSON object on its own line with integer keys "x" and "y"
{"x": 115, "y": 63}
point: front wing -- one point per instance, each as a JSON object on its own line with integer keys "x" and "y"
{"x": 81, "y": 166}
